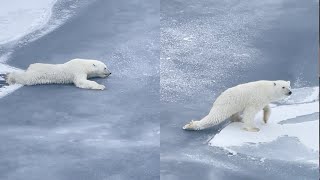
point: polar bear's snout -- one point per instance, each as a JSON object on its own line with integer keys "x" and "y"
{"x": 288, "y": 92}
{"x": 106, "y": 72}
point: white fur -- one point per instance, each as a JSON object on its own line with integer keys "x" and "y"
{"x": 248, "y": 98}
{"x": 74, "y": 71}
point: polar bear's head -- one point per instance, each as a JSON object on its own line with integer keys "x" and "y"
{"x": 282, "y": 89}
{"x": 98, "y": 69}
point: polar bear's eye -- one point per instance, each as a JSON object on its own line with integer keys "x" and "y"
{"x": 105, "y": 68}
{"x": 283, "y": 87}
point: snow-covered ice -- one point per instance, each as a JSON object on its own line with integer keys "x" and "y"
{"x": 18, "y": 18}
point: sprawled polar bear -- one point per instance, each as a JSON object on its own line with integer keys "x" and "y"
{"x": 74, "y": 71}
{"x": 248, "y": 98}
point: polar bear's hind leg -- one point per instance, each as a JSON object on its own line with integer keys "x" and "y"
{"x": 19, "y": 78}
{"x": 9, "y": 78}
{"x": 212, "y": 119}
{"x": 236, "y": 117}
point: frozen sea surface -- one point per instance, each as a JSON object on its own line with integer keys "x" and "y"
{"x": 209, "y": 46}
{"x": 60, "y": 132}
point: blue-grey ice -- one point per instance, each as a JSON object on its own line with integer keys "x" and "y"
{"x": 208, "y": 46}
{"x": 60, "y": 132}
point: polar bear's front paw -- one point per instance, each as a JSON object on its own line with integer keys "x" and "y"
{"x": 99, "y": 87}
{"x": 191, "y": 126}
{"x": 251, "y": 129}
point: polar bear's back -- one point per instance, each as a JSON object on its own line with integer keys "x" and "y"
{"x": 41, "y": 66}
{"x": 47, "y": 68}
{"x": 82, "y": 62}
{"x": 240, "y": 96}
{"x": 40, "y": 73}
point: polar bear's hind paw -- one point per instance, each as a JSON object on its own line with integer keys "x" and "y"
{"x": 251, "y": 129}
{"x": 191, "y": 126}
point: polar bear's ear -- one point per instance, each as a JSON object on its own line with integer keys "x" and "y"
{"x": 288, "y": 82}
{"x": 274, "y": 84}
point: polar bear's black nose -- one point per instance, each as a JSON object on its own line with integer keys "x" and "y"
{"x": 290, "y": 93}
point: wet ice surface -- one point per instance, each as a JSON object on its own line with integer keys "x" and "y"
{"x": 210, "y": 46}
{"x": 61, "y": 132}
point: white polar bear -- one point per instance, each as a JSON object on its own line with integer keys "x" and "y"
{"x": 74, "y": 71}
{"x": 248, "y": 98}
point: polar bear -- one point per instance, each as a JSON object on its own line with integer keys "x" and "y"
{"x": 75, "y": 71}
{"x": 248, "y": 98}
